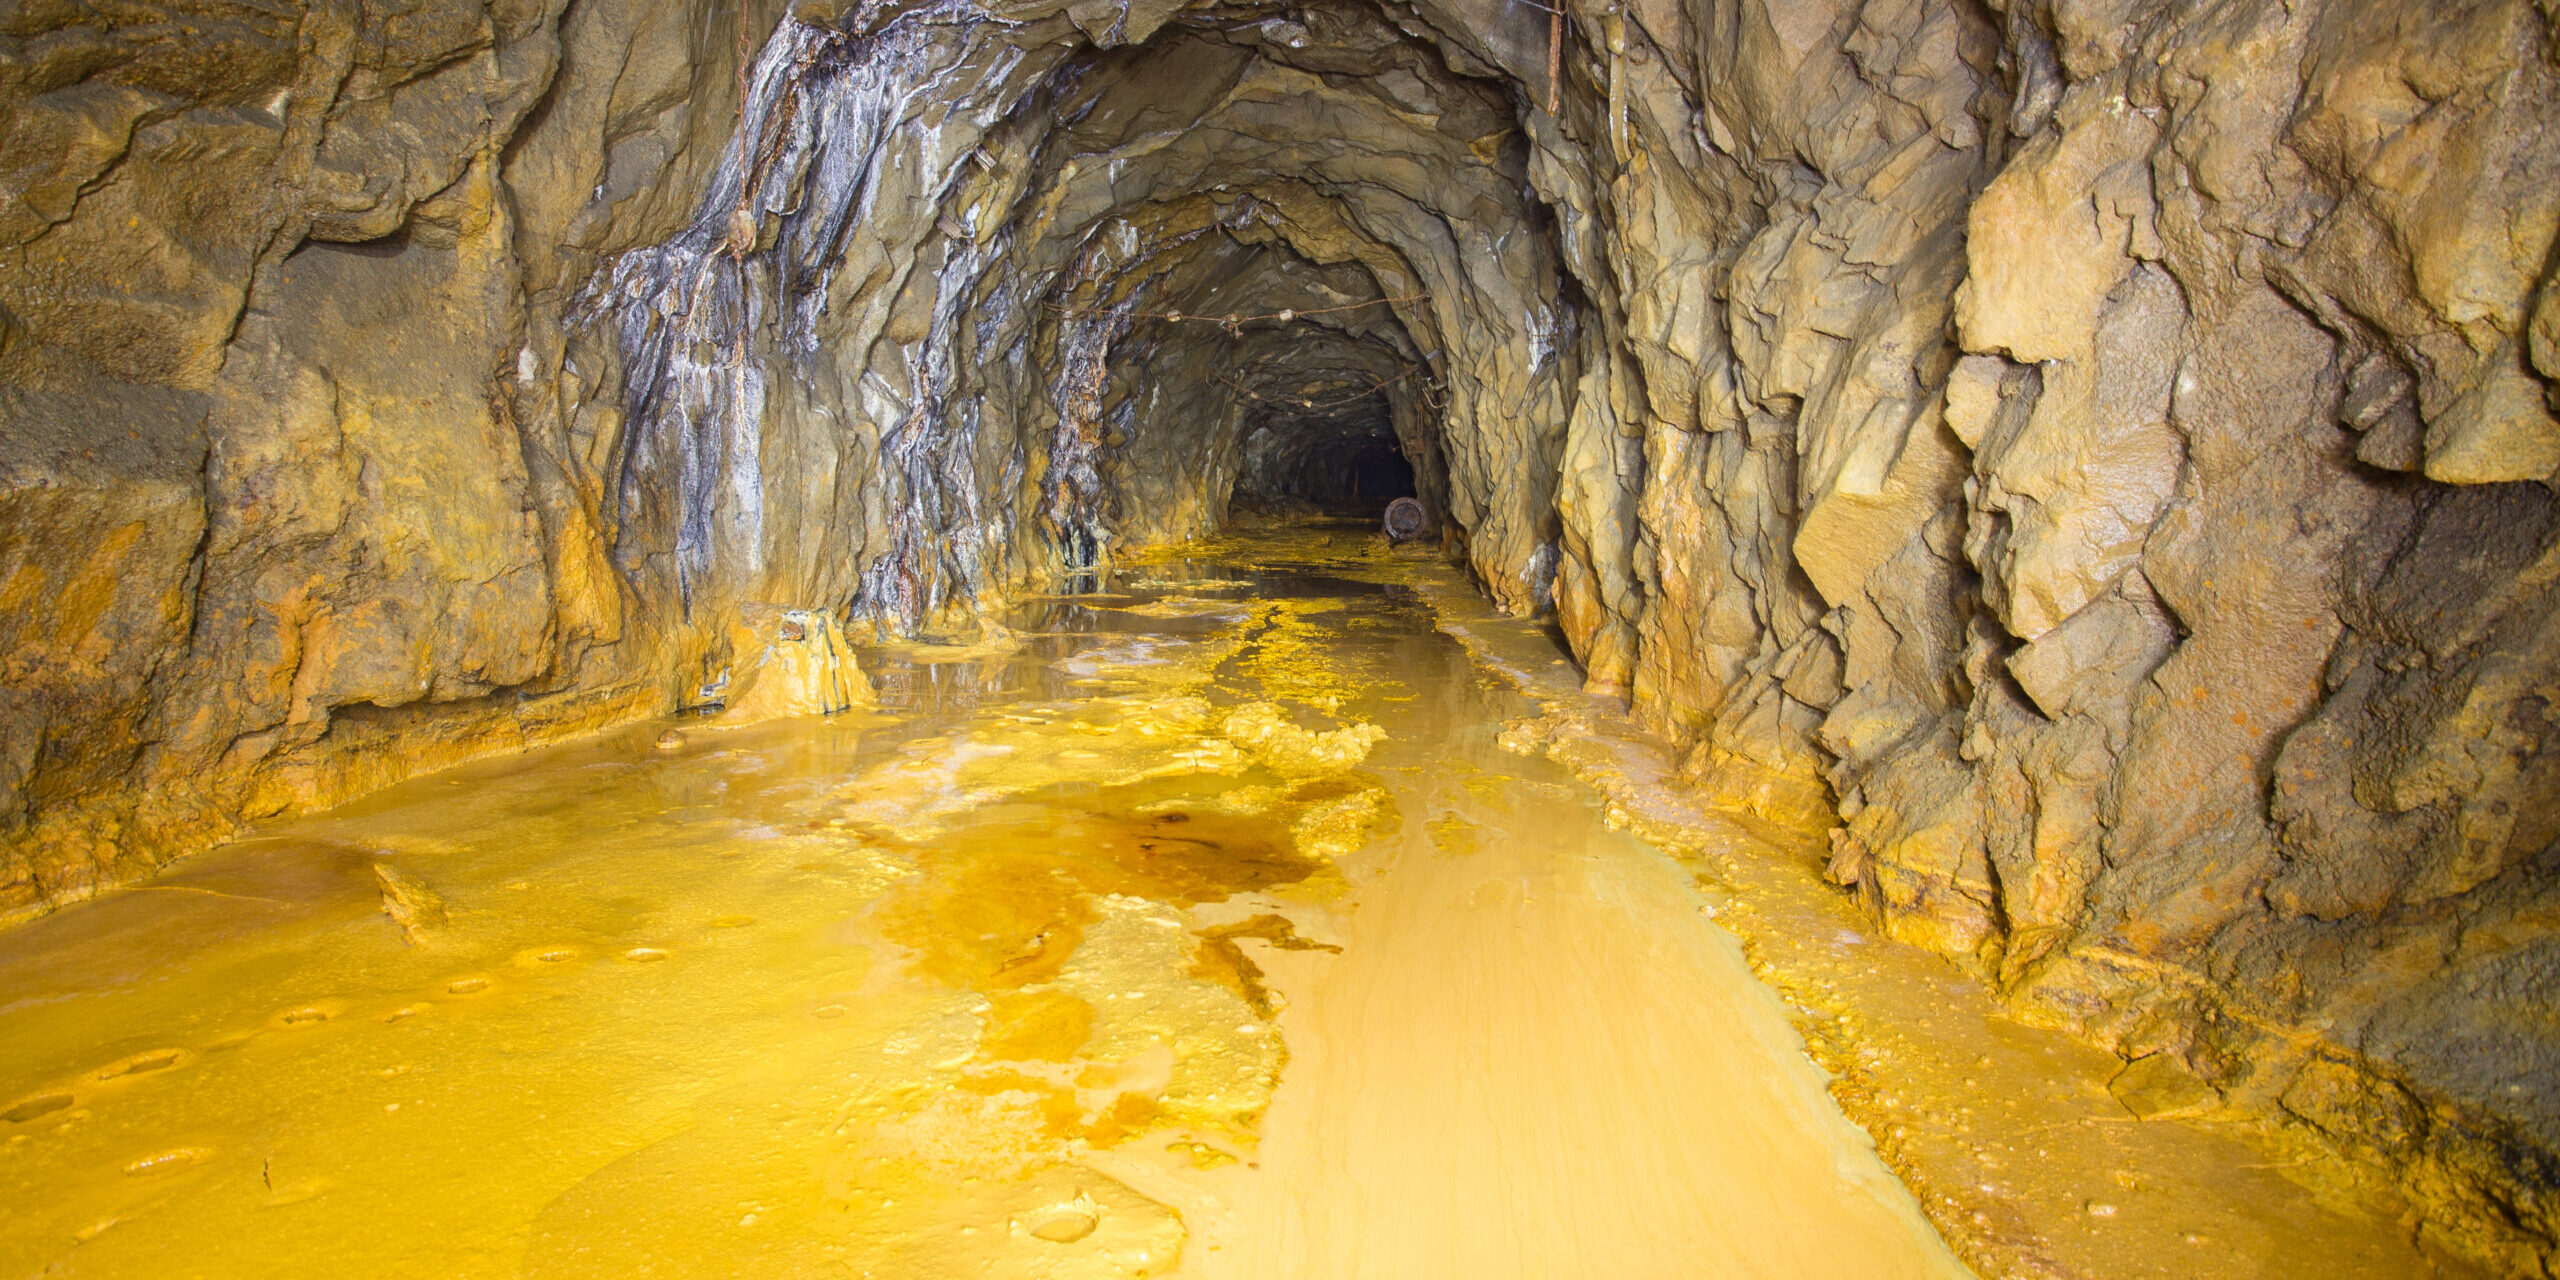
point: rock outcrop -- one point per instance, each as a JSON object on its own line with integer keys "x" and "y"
{"x": 2097, "y": 458}
{"x": 785, "y": 663}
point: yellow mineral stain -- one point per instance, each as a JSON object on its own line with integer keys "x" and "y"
{"x": 1199, "y": 927}
{"x": 1222, "y": 959}
{"x": 1047, "y": 1025}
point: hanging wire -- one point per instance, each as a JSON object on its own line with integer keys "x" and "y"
{"x": 742, "y": 234}
{"x": 1300, "y": 402}
{"x": 1232, "y": 322}
{"x": 1555, "y": 60}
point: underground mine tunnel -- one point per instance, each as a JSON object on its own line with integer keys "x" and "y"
{"x": 650, "y": 637}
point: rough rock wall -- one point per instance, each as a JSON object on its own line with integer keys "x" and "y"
{"x": 387, "y": 387}
{"x": 245, "y": 509}
{"x": 2097, "y": 455}
{"x": 2105, "y": 453}
{"x": 1023, "y": 281}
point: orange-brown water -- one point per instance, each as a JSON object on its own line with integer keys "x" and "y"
{"x": 1201, "y": 928}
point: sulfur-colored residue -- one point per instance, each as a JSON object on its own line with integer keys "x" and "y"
{"x": 1203, "y": 928}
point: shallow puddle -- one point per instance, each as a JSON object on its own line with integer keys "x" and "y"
{"x": 1198, "y": 925}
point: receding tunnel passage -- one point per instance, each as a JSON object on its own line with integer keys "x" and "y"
{"x": 717, "y": 638}
{"x": 1378, "y": 472}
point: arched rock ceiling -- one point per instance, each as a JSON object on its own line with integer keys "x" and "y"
{"x": 969, "y": 247}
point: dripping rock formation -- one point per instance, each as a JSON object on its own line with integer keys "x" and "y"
{"x": 2095, "y": 459}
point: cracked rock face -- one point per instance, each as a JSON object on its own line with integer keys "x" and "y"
{"x": 2096, "y": 459}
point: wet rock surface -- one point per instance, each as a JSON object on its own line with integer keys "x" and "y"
{"x": 1046, "y": 966}
{"x": 2093, "y": 459}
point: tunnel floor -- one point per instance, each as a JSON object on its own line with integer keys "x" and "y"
{"x": 1203, "y": 925}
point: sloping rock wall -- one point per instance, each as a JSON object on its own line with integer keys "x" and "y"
{"x": 2101, "y": 451}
